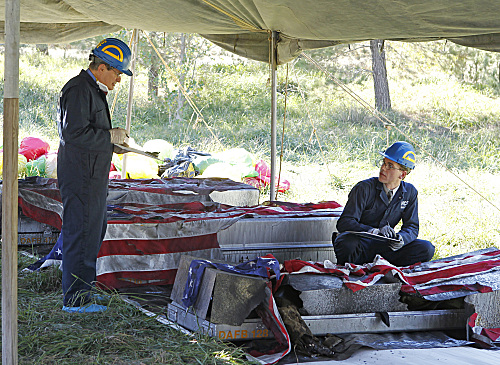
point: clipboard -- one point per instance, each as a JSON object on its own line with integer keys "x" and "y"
{"x": 372, "y": 236}
{"x": 138, "y": 151}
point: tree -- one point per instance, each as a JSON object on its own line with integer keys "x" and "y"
{"x": 182, "y": 74}
{"x": 43, "y": 48}
{"x": 153, "y": 76}
{"x": 380, "y": 83}
{"x": 180, "y": 51}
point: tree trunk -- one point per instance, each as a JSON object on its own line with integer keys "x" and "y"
{"x": 152, "y": 61}
{"x": 182, "y": 76}
{"x": 380, "y": 83}
{"x": 43, "y": 48}
{"x": 153, "y": 81}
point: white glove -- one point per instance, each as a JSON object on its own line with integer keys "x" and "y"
{"x": 118, "y": 135}
{"x": 397, "y": 245}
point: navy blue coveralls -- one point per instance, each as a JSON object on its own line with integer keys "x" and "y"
{"x": 368, "y": 207}
{"x": 83, "y": 163}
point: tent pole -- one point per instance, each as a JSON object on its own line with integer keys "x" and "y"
{"x": 9, "y": 185}
{"x": 274, "y": 49}
{"x": 135, "y": 37}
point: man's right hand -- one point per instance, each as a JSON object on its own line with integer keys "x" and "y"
{"x": 388, "y": 231}
{"x": 118, "y": 135}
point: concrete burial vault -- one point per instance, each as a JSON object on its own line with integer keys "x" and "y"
{"x": 226, "y": 303}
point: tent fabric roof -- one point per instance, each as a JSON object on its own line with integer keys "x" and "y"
{"x": 242, "y": 26}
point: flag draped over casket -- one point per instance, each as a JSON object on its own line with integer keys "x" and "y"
{"x": 151, "y": 223}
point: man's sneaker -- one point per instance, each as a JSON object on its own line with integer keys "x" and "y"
{"x": 92, "y": 308}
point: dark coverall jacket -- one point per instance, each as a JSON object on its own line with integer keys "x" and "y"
{"x": 83, "y": 163}
{"x": 368, "y": 207}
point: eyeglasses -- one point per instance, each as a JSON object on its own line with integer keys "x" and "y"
{"x": 117, "y": 73}
{"x": 389, "y": 166}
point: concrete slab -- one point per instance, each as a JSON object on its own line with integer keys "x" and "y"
{"x": 236, "y": 198}
{"x": 305, "y": 252}
{"x": 437, "y": 356}
{"x": 224, "y": 297}
{"x": 375, "y": 298}
{"x": 294, "y": 231}
{"x": 235, "y": 296}
{"x": 305, "y": 282}
{"x": 305, "y": 238}
{"x": 407, "y": 321}
{"x": 183, "y": 190}
{"x": 32, "y": 233}
{"x": 487, "y": 306}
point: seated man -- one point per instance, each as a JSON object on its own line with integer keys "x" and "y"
{"x": 376, "y": 206}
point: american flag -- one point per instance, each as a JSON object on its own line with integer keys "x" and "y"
{"x": 260, "y": 266}
{"x": 151, "y": 223}
{"x": 447, "y": 278}
{"x": 483, "y": 335}
{"x": 265, "y": 267}
{"x": 452, "y": 277}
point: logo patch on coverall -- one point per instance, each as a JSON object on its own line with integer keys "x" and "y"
{"x": 404, "y": 203}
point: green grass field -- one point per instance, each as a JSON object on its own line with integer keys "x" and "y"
{"x": 445, "y": 100}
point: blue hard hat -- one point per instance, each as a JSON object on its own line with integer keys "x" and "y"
{"x": 115, "y": 53}
{"x": 401, "y": 152}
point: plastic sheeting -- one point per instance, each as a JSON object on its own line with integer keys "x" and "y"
{"x": 242, "y": 26}
{"x": 350, "y": 344}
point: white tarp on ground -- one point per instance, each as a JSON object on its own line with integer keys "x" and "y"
{"x": 435, "y": 356}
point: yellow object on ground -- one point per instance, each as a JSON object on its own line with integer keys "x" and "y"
{"x": 140, "y": 167}
{"x": 21, "y": 165}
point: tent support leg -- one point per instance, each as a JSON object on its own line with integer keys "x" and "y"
{"x": 135, "y": 40}
{"x": 274, "y": 50}
{"x": 9, "y": 185}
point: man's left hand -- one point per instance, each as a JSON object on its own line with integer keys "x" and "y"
{"x": 388, "y": 231}
{"x": 397, "y": 245}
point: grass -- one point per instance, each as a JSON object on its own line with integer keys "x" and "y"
{"x": 121, "y": 335}
{"x": 445, "y": 99}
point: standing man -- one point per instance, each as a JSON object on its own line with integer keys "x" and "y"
{"x": 376, "y": 206}
{"x": 83, "y": 162}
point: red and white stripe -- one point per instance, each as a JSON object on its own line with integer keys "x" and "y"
{"x": 157, "y": 221}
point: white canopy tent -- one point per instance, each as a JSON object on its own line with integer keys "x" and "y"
{"x": 250, "y": 28}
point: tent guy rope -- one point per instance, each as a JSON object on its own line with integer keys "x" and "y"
{"x": 118, "y": 84}
{"x": 314, "y": 131}
{"x": 183, "y": 90}
{"x": 388, "y": 124}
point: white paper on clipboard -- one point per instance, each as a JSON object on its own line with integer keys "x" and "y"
{"x": 373, "y": 236}
{"x": 136, "y": 150}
